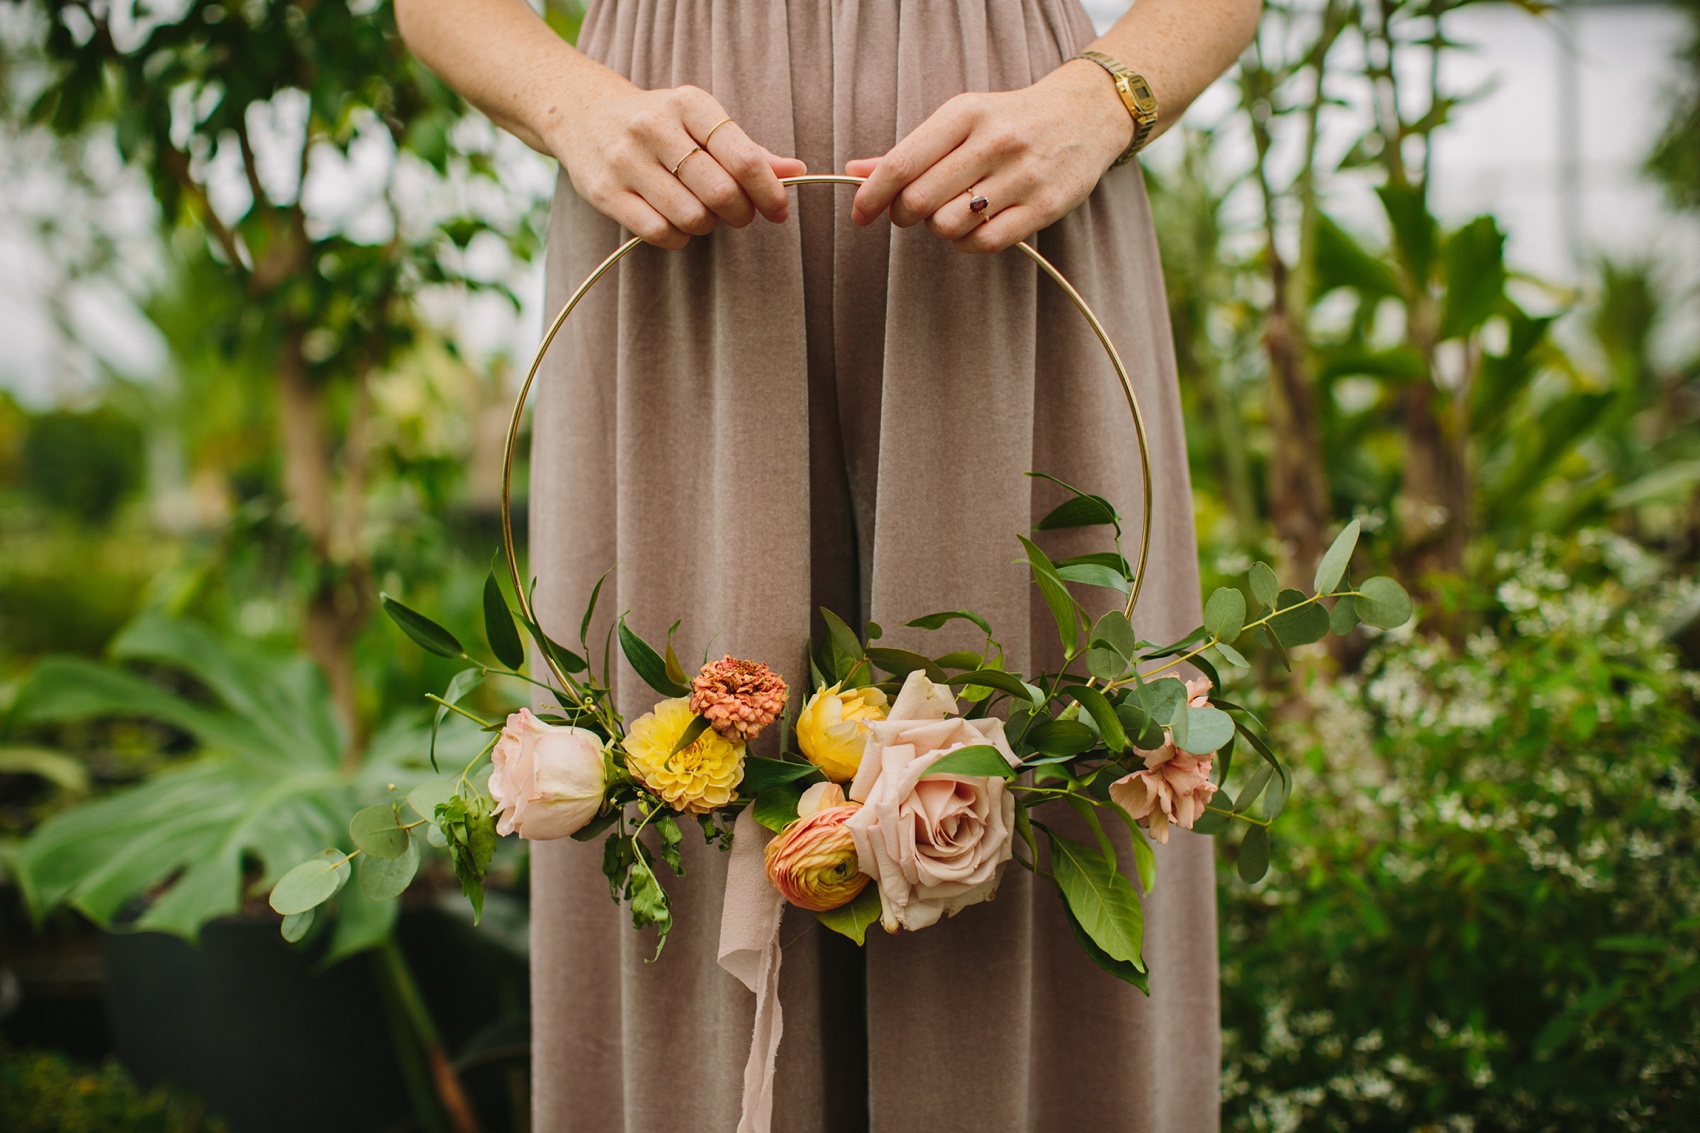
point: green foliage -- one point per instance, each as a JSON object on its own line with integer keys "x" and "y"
{"x": 270, "y": 790}
{"x": 83, "y": 464}
{"x": 1675, "y": 160}
{"x": 1491, "y": 915}
{"x": 48, "y": 1093}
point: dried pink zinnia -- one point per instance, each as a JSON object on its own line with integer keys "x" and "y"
{"x": 738, "y": 698}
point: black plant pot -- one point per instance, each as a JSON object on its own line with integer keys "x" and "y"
{"x": 271, "y": 1043}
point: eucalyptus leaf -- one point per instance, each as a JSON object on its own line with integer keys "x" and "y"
{"x": 1232, "y": 656}
{"x": 1264, "y": 585}
{"x": 425, "y": 632}
{"x": 1114, "y": 630}
{"x": 311, "y": 883}
{"x": 1382, "y": 603}
{"x": 1224, "y": 613}
{"x": 384, "y": 879}
{"x": 1208, "y": 728}
{"x": 1254, "y": 855}
{"x": 1332, "y": 568}
{"x": 1163, "y": 699}
{"x": 427, "y": 796}
{"x": 295, "y": 925}
{"x": 1343, "y": 618}
{"x": 1300, "y": 621}
{"x": 499, "y": 626}
{"x": 1105, "y": 664}
{"x": 378, "y": 831}
{"x": 852, "y": 920}
{"x": 1210, "y": 823}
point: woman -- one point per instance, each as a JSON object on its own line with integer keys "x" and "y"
{"x": 811, "y": 414}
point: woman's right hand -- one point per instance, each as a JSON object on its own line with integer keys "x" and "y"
{"x": 621, "y": 150}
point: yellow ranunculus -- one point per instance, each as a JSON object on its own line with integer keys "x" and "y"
{"x": 703, "y": 776}
{"x": 833, "y": 727}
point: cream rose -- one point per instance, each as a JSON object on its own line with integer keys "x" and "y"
{"x": 547, "y": 781}
{"x": 937, "y": 844}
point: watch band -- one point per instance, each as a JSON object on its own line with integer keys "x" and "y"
{"x": 1135, "y": 94}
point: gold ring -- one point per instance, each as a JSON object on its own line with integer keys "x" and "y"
{"x": 711, "y": 130}
{"x": 680, "y": 164}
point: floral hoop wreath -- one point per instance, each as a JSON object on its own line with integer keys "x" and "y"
{"x": 889, "y": 803}
{"x": 514, "y": 422}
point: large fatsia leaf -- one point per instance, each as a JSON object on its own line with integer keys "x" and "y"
{"x": 62, "y": 689}
{"x": 285, "y": 698}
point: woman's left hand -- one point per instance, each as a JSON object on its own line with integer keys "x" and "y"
{"x": 1034, "y": 154}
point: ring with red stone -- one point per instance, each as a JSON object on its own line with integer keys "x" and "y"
{"x": 977, "y": 204}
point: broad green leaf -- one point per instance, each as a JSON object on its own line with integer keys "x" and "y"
{"x": 1254, "y": 855}
{"x": 460, "y": 684}
{"x": 1093, "y": 574}
{"x": 1109, "y": 725}
{"x": 425, "y": 632}
{"x": 565, "y": 659}
{"x": 63, "y": 771}
{"x": 692, "y": 733}
{"x": 1382, "y": 602}
{"x": 852, "y": 920}
{"x": 1207, "y": 729}
{"x": 845, "y": 647}
{"x": 1054, "y": 591}
{"x": 384, "y": 879}
{"x": 647, "y": 663}
{"x": 1114, "y": 630}
{"x": 295, "y": 925}
{"x": 1264, "y": 586}
{"x": 1121, "y": 969}
{"x": 1002, "y": 682}
{"x": 1332, "y": 568}
{"x": 311, "y": 883}
{"x": 937, "y": 621}
{"x": 902, "y": 662}
{"x": 1224, "y": 613}
{"x": 976, "y": 759}
{"x": 499, "y": 626}
{"x": 1299, "y": 622}
{"x": 378, "y": 831}
{"x": 1061, "y": 737}
{"x": 1475, "y": 277}
{"x": 1414, "y": 230}
{"x": 760, "y": 774}
{"x": 1101, "y": 899}
{"x": 1079, "y": 511}
{"x": 963, "y": 659}
{"x": 1144, "y": 732}
{"x": 1343, "y": 618}
{"x": 776, "y": 807}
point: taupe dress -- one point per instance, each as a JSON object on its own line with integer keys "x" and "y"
{"x": 814, "y": 414}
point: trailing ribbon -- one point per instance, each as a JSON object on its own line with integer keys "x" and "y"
{"x": 749, "y": 949}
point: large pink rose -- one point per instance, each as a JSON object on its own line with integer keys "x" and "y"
{"x": 1175, "y": 785}
{"x": 934, "y": 844}
{"x": 547, "y": 781}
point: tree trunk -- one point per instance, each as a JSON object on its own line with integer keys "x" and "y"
{"x": 1298, "y": 485}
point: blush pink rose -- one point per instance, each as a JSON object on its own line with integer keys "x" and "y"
{"x": 935, "y": 844}
{"x": 547, "y": 781}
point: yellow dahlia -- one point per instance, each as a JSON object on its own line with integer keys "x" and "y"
{"x": 812, "y": 862}
{"x": 699, "y": 778}
{"x": 833, "y": 728}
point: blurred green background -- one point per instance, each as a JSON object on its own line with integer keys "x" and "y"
{"x": 287, "y": 276}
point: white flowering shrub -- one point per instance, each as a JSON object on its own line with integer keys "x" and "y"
{"x": 1489, "y": 914}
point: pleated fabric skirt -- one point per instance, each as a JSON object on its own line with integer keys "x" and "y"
{"x": 809, "y": 414}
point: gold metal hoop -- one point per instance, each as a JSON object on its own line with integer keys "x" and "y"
{"x": 619, "y": 253}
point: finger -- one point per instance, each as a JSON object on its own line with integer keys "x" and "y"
{"x": 915, "y": 154}
{"x": 947, "y": 180}
{"x": 785, "y": 166}
{"x": 714, "y": 187}
{"x": 861, "y": 166}
{"x": 1004, "y": 230}
{"x": 746, "y": 162}
{"x": 638, "y": 217}
{"x": 956, "y": 217}
{"x": 669, "y": 196}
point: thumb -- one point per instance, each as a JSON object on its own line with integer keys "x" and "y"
{"x": 785, "y": 166}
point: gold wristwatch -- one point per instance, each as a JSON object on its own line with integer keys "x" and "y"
{"x": 1135, "y": 94}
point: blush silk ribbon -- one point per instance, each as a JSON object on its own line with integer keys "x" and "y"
{"x": 749, "y": 949}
